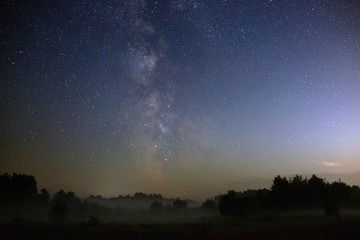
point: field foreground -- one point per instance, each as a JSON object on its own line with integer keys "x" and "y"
{"x": 279, "y": 226}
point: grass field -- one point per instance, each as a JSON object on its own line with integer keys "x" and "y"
{"x": 265, "y": 226}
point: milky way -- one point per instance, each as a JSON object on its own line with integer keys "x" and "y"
{"x": 183, "y": 97}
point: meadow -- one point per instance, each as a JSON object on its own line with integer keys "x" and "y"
{"x": 285, "y": 225}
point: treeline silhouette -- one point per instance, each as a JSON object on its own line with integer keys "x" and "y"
{"x": 294, "y": 193}
{"x": 21, "y": 200}
{"x": 138, "y": 195}
{"x": 137, "y": 201}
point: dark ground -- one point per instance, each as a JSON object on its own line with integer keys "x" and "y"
{"x": 271, "y": 226}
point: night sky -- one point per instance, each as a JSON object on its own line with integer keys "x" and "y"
{"x": 185, "y": 98}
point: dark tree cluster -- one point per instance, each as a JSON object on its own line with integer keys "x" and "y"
{"x": 209, "y": 205}
{"x": 19, "y": 199}
{"x": 300, "y": 191}
{"x": 20, "y": 188}
{"x": 177, "y": 206}
{"x": 137, "y": 196}
{"x": 156, "y": 207}
{"x": 140, "y": 201}
{"x": 295, "y": 192}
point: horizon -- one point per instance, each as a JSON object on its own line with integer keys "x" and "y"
{"x": 186, "y": 98}
{"x": 352, "y": 179}
{"x": 261, "y": 183}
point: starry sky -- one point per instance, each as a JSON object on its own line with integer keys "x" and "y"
{"x": 186, "y": 98}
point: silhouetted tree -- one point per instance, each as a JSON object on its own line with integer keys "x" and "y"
{"x": 17, "y": 189}
{"x": 5, "y": 188}
{"x": 140, "y": 195}
{"x": 44, "y": 196}
{"x": 263, "y": 197}
{"x": 233, "y": 204}
{"x": 69, "y": 198}
{"x": 209, "y": 205}
{"x": 297, "y": 189}
{"x": 317, "y": 188}
{"x": 179, "y": 204}
{"x": 280, "y": 190}
{"x": 228, "y": 204}
{"x": 65, "y": 204}
{"x": 156, "y": 207}
{"x": 339, "y": 192}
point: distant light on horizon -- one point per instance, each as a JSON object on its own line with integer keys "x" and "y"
{"x": 330, "y": 164}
